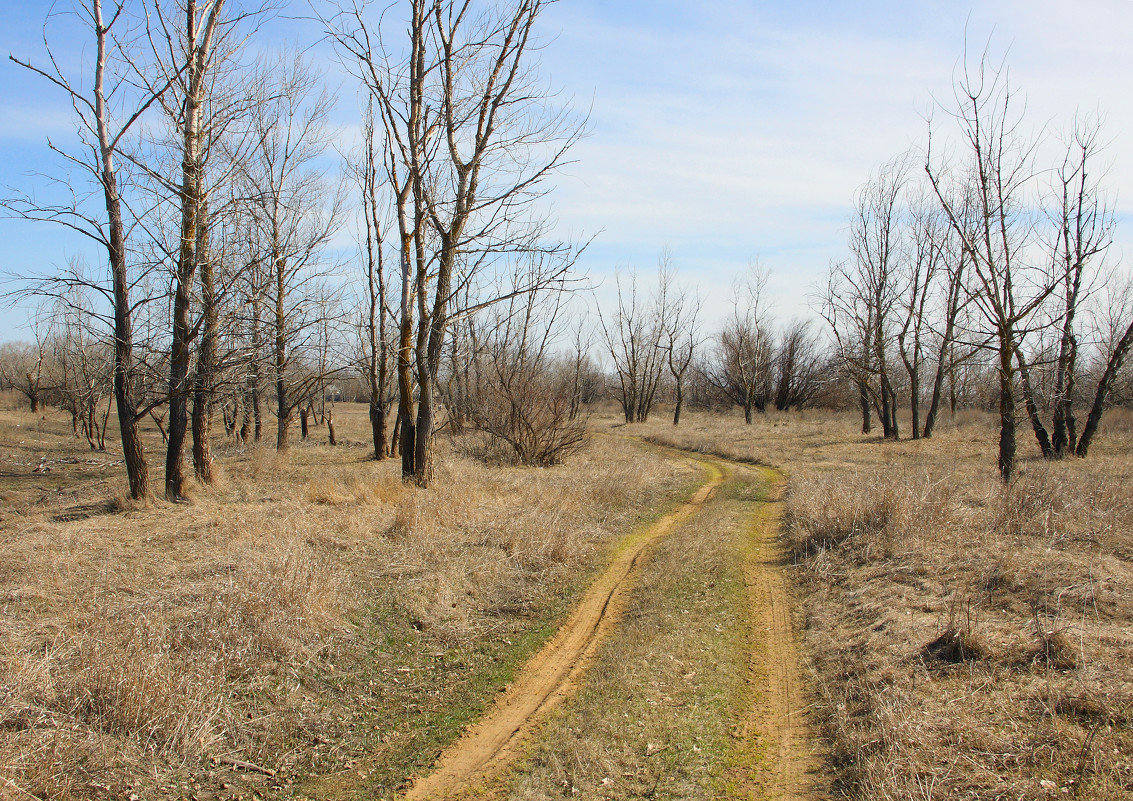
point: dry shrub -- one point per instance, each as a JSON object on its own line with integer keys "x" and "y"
{"x": 960, "y": 640}
{"x": 881, "y": 512}
{"x": 903, "y": 559}
{"x": 327, "y": 491}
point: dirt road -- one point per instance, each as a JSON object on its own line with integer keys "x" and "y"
{"x": 775, "y": 727}
{"x": 772, "y": 742}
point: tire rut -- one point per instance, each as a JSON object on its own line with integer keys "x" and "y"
{"x": 550, "y": 675}
{"x": 774, "y": 730}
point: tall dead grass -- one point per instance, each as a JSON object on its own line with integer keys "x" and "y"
{"x": 151, "y": 651}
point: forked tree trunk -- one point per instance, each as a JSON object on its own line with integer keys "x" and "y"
{"x": 378, "y": 428}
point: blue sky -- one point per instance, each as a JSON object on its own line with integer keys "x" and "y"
{"x": 725, "y": 130}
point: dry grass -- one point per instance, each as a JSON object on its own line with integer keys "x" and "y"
{"x": 965, "y": 640}
{"x": 288, "y": 620}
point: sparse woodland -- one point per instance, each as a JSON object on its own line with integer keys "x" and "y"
{"x": 279, "y": 516}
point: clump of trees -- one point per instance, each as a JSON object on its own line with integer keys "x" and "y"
{"x": 983, "y": 255}
{"x": 214, "y": 204}
{"x": 203, "y": 171}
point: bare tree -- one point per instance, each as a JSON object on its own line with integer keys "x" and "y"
{"x": 1117, "y": 343}
{"x": 191, "y": 46}
{"x": 83, "y": 366}
{"x": 953, "y": 301}
{"x": 1084, "y": 224}
{"x": 798, "y": 366}
{"x": 295, "y": 210}
{"x": 375, "y": 321}
{"x": 107, "y": 106}
{"x": 633, "y": 336}
{"x": 747, "y": 345}
{"x": 926, "y": 252}
{"x": 999, "y": 230}
{"x": 23, "y": 366}
{"x": 521, "y": 395}
{"x": 680, "y": 335}
{"x": 875, "y": 243}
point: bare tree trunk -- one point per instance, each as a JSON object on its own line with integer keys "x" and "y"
{"x": 915, "y": 401}
{"x": 863, "y": 402}
{"x": 888, "y": 409}
{"x": 1006, "y": 409}
{"x": 378, "y": 427}
{"x": 206, "y": 360}
{"x": 283, "y": 416}
{"x": 178, "y": 394}
{"x": 283, "y": 408}
{"x": 192, "y": 220}
{"x": 1033, "y": 409}
{"x": 679, "y": 401}
{"x": 246, "y": 418}
{"x": 254, "y": 391}
{"x": 1063, "y": 423}
{"x": 1098, "y": 407}
{"x": 944, "y": 367}
{"x": 331, "y": 439}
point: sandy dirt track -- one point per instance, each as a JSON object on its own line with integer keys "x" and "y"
{"x": 549, "y": 676}
{"x": 774, "y": 730}
{"x": 777, "y": 758}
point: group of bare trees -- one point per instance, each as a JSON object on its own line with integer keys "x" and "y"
{"x": 655, "y": 342}
{"x": 986, "y": 250}
{"x": 213, "y": 201}
{"x": 894, "y": 308}
{"x": 202, "y": 169}
{"x": 467, "y": 138}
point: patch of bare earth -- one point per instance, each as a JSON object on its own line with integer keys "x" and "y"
{"x": 310, "y": 626}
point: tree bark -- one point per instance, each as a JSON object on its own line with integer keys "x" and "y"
{"x": 1098, "y": 407}
{"x": 378, "y": 427}
{"x": 206, "y": 359}
{"x": 863, "y": 402}
{"x": 133, "y": 451}
{"x": 1006, "y": 410}
{"x": 1033, "y": 409}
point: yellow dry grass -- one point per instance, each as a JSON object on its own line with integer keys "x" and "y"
{"x": 263, "y": 633}
{"x": 965, "y": 640}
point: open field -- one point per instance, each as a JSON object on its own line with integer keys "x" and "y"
{"x": 963, "y": 641}
{"x": 313, "y": 628}
{"x": 310, "y": 627}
